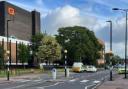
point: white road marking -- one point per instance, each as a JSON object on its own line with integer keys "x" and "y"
{"x": 73, "y": 80}
{"x": 96, "y": 81}
{"x": 86, "y": 87}
{"x": 84, "y": 81}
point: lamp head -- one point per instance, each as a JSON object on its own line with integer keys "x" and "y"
{"x": 65, "y": 51}
{"x": 109, "y": 21}
{"x": 115, "y": 9}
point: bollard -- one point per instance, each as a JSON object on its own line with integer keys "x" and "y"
{"x": 54, "y": 74}
{"x": 111, "y": 74}
{"x": 68, "y": 72}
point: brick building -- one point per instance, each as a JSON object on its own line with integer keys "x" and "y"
{"x": 101, "y": 61}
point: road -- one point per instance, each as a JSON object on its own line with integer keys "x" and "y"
{"x": 77, "y": 81}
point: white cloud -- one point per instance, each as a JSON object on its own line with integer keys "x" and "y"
{"x": 61, "y": 17}
{"x": 68, "y": 16}
{"x": 118, "y": 35}
{"x": 118, "y": 29}
{"x": 117, "y": 48}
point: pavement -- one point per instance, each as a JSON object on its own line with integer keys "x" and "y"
{"x": 44, "y": 76}
{"x": 118, "y": 83}
{"x": 18, "y": 78}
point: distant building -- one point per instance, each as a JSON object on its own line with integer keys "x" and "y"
{"x": 23, "y": 23}
{"x": 102, "y": 53}
{"x": 12, "y": 47}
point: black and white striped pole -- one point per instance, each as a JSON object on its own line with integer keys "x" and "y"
{"x": 65, "y": 52}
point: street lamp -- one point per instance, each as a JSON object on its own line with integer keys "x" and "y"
{"x": 125, "y": 10}
{"x": 110, "y": 34}
{"x": 8, "y": 59}
{"x": 110, "y": 48}
{"x": 65, "y": 52}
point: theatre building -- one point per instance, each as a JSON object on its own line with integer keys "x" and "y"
{"x": 18, "y": 24}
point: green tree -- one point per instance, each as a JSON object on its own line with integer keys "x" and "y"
{"x": 23, "y": 53}
{"x": 2, "y": 51}
{"x": 116, "y": 59}
{"x": 81, "y": 43}
{"x": 50, "y": 50}
{"x": 36, "y": 42}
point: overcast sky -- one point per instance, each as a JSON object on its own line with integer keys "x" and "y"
{"x": 89, "y": 13}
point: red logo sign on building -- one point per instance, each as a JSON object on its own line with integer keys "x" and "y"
{"x": 11, "y": 11}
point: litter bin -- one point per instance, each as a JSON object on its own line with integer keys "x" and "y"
{"x": 54, "y": 74}
{"x": 68, "y": 72}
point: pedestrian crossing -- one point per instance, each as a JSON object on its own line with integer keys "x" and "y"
{"x": 73, "y": 80}
{"x": 96, "y": 81}
{"x": 83, "y": 81}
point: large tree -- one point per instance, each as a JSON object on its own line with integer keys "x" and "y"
{"x": 81, "y": 43}
{"x": 50, "y": 50}
{"x": 36, "y": 42}
{"x": 113, "y": 60}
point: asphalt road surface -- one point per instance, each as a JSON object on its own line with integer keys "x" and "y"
{"x": 77, "y": 81}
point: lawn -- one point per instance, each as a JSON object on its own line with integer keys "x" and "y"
{"x": 18, "y": 72}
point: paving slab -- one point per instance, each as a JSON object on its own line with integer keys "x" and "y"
{"x": 118, "y": 83}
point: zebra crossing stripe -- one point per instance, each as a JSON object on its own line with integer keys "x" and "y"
{"x": 96, "y": 81}
{"x": 72, "y": 80}
{"x": 84, "y": 81}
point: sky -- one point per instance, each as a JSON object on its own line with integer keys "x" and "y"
{"x": 92, "y": 14}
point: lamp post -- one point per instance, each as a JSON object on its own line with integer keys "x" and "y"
{"x": 110, "y": 48}
{"x": 65, "y": 52}
{"x": 110, "y": 34}
{"x": 125, "y": 10}
{"x": 8, "y": 59}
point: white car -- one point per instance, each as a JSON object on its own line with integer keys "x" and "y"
{"x": 91, "y": 69}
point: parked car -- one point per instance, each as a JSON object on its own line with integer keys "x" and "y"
{"x": 91, "y": 68}
{"x": 78, "y": 67}
{"x": 117, "y": 65}
{"x": 121, "y": 69}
